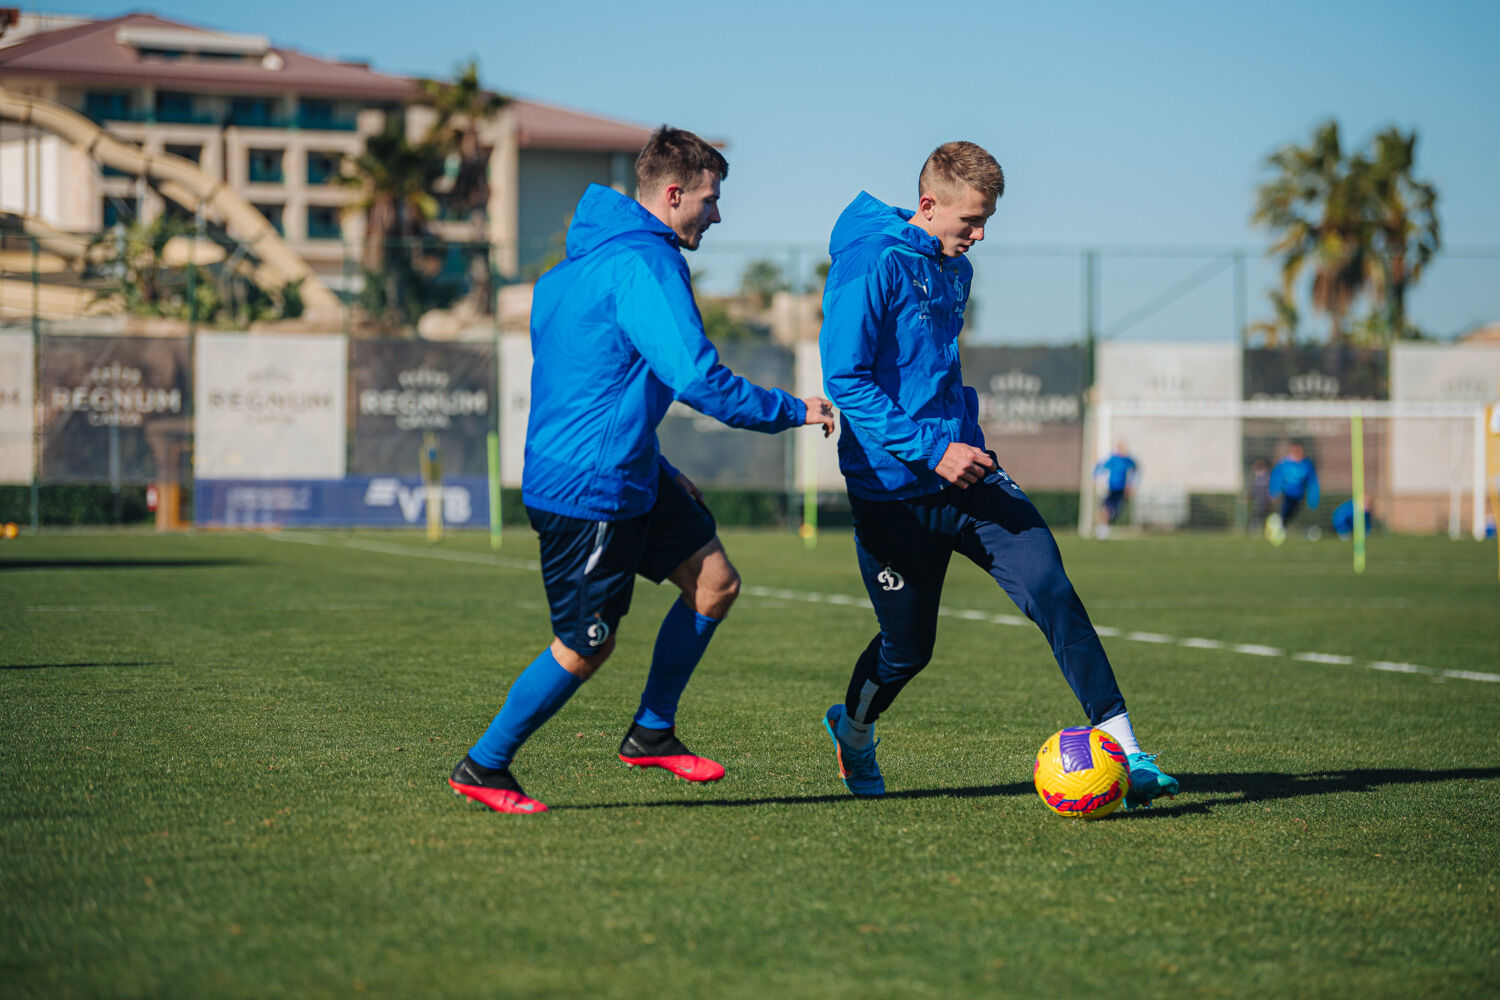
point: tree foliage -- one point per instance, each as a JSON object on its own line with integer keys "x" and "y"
{"x": 1362, "y": 223}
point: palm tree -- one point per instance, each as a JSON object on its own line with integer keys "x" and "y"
{"x": 1362, "y": 221}
{"x": 461, "y": 106}
{"x": 1406, "y": 231}
{"x": 394, "y": 177}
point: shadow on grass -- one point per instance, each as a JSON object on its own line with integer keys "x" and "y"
{"x": 1202, "y": 793}
{"x": 7, "y": 565}
{"x": 968, "y": 792}
{"x": 1205, "y": 792}
{"x": 70, "y": 666}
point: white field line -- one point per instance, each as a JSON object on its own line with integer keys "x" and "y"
{"x": 89, "y": 609}
{"x": 845, "y": 600}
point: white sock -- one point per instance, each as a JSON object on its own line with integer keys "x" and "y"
{"x": 1119, "y": 728}
{"x": 856, "y": 734}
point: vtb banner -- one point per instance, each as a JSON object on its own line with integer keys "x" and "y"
{"x": 376, "y": 501}
{"x": 111, "y": 408}
{"x": 400, "y": 390}
{"x": 17, "y": 412}
{"x": 270, "y": 406}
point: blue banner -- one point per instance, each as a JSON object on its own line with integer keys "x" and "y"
{"x": 358, "y": 501}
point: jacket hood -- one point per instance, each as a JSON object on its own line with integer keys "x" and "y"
{"x": 604, "y": 214}
{"x": 868, "y": 216}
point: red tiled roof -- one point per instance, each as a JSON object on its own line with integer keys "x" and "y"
{"x": 545, "y": 126}
{"x": 89, "y": 53}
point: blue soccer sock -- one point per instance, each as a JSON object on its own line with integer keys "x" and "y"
{"x": 680, "y": 645}
{"x": 541, "y": 690}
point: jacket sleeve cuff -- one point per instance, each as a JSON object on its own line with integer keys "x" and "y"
{"x": 937, "y": 453}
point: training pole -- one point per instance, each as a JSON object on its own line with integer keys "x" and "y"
{"x": 809, "y": 492}
{"x": 432, "y": 476}
{"x": 493, "y": 451}
{"x": 1357, "y": 455}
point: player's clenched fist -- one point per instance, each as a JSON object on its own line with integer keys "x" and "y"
{"x": 964, "y": 465}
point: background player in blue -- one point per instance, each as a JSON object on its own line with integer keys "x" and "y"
{"x": 616, "y": 337}
{"x": 1116, "y": 473}
{"x": 1294, "y": 481}
{"x": 920, "y": 483}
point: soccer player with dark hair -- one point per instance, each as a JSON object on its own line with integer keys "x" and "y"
{"x": 921, "y": 484}
{"x": 616, "y": 336}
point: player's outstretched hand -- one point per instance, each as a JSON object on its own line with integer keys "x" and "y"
{"x": 964, "y": 465}
{"x": 820, "y": 411}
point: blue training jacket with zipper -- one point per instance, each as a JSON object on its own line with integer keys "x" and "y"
{"x": 615, "y": 337}
{"x": 893, "y": 307}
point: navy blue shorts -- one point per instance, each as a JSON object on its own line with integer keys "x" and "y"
{"x": 589, "y": 567}
{"x": 1112, "y": 501}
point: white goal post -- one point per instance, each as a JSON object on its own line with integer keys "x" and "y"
{"x": 1424, "y": 461}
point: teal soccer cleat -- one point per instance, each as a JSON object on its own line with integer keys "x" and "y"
{"x": 857, "y": 766}
{"x": 1147, "y": 781}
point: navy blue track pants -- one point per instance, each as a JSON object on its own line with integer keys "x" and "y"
{"x": 904, "y": 547}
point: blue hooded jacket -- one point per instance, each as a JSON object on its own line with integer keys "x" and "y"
{"x": 615, "y": 337}
{"x": 1298, "y": 480}
{"x": 892, "y": 311}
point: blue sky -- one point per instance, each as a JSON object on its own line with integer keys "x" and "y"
{"x": 1118, "y": 125}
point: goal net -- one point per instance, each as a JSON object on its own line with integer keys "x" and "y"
{"x": 1208, "y": 466}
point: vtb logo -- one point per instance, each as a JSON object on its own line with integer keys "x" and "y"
{"x": 889, "y": 579}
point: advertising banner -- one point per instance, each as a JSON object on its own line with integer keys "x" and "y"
{"x": 817, "y": 457}
{"x": 114, "y": 409}
{"x": 1165, "y": 371}
{"x": 17, "y": 409}
{"x": 716, "y": 456}
{"x": 1430, "y": 456}
{"x": 270, "y": 406}
{"x": 1031, "y": 410}
{"x": 1201, "y": 454}
{"x": 515, "y": 405}
{"x": 358, "y": 501}
{"x": 402, "y": 390}
{"x": 1314, "y": 372}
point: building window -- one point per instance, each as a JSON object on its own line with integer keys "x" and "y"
{"x": 274, "y": 215}
{"x": 317, "y": 113}
{"x": 176, "y": 107}
{"x": 265, "y": 166}
{"x": 252, "y": 111}
{"x": 107, "y": 105}
{"x": 323, "y": 168}
{"x": 119, "y": 210}
{"x": 194, "y": 153}
{"x": 323, "y": 223}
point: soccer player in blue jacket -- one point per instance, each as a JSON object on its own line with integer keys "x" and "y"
{"x": 1116, "y": 474}
{"x": 921, "y": 484}
{"x": 1294, "y": 481}
{"x": 616, "y": 337}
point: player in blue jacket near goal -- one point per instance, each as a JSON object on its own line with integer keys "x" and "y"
{"x": 1294, "y": 481}
{"x": 616, "y": 337}
{"x": 921, "y": 484}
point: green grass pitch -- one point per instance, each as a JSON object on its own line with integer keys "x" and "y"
{"x": 224, "y": 760}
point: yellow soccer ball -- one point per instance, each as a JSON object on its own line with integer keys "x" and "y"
{"x": 1082, "y": 772}
{"x": 11, "y": 529}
